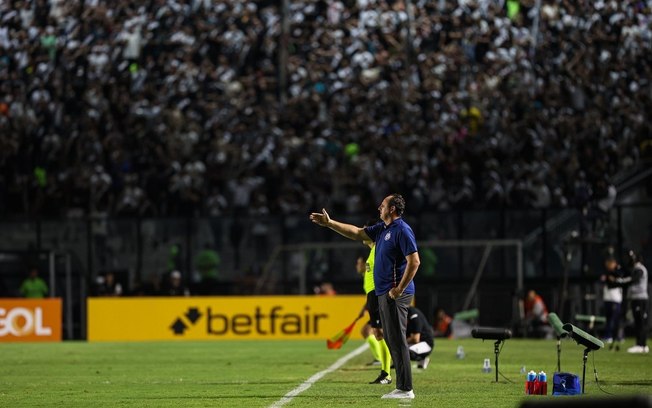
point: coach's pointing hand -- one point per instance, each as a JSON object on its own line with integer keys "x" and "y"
{"x": 321, "y": 219}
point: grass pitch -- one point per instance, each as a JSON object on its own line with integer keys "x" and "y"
{"x": 259, "y": 373}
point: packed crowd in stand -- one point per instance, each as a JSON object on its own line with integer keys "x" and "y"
{"x": 179, "y": 107}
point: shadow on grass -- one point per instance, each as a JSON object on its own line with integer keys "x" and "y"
{"x": 254, "y": 396}
{"x": 358, "y": 369}
{"x": 646, "y": 383}
{"x": 236, "y": 383}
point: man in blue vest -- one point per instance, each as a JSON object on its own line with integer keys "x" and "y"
{"x": 396, "y": 264}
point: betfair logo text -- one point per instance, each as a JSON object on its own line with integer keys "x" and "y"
{"x": 263, "y": 322}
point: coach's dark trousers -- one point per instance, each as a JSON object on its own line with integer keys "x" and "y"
{"x": 393, "y": 317}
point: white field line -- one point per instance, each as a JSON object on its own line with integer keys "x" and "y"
{"x": 310, "y": 381}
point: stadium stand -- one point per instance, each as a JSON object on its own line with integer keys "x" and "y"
{"x": 180, "y": 107}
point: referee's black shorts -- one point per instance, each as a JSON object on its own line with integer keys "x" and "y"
{"x": 374, "y": 312}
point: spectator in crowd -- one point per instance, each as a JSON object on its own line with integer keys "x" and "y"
{"x": 207, "y": 263}
{"x": 420, "y": 337}
{"x": 107, "y": 285}
{"x": 325, "y": 289}
{"x": 33, "y": 287}
{"x": 177, "y": 108}
{"x": 175, "y": 286}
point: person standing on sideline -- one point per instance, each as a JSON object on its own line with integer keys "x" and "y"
{"x": 638, "y": 298}
{"x": 612, "y": 295}
{"x": 372, "y": 331}
{"x": 396, "y": 263}
{"x": 34, "y": 287}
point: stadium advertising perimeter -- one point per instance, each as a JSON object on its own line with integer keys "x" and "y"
{"x": 233, "y": 317}
{"x": 23, "y": 320}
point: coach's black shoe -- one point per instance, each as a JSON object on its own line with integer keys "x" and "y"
{"x": 383, "y": 378}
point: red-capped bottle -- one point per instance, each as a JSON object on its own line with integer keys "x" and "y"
{"x": 530, "y": 383}
{"x": 542, "y": 380}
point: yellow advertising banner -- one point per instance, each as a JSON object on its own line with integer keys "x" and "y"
{"x": 232, "y": 317}
{"x": 30, "y": 320}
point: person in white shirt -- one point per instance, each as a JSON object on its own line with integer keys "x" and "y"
{"x": 612, "y": 295}
{"x": 637, "y": 294}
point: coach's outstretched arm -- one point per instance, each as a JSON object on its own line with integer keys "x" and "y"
{"x": 347, "y": 230}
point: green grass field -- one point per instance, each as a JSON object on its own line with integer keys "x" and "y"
{"x": 259, "y": 373}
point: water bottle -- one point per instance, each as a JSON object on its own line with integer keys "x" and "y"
{"x": 530, "y": 383}
{"x": 486, "y": 366}
{"x": 543, "y": 383}
{"x": 523, "y": 370}
{"x": 460, "y": 353}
